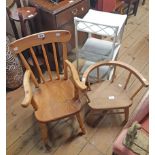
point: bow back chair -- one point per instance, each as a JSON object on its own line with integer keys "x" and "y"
{"x": 118, "y": 92}
{"x": 56, "y": 97}
{"x": 21, "y": 13}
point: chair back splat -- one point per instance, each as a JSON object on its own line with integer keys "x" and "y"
{"x": 40, "y": 40}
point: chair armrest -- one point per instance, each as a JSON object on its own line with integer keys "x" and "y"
{"x": 115, "y": 63}
{"x": 76, "y": 80}
{"x": 27, "y": 89}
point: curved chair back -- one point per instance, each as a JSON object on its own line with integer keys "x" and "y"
{"x": 28, "y": 46}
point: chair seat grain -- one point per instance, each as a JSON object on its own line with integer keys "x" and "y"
{"x": 54, "y": 100}
{"x": 108, "y": 95}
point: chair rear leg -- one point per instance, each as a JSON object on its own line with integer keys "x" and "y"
{"x": 126, "y": 110}
{"x": 44, "y": 134}
{"x": 80, "y": 123}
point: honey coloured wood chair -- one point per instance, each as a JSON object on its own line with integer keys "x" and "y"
{"x": 117, "y": 93}
{"x": 52, "y": 98}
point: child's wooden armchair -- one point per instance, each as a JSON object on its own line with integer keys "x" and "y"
{"x": 52, "y": 98}
{"x": 116, "y": 93}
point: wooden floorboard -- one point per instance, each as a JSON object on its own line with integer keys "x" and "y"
{"x": 22, "y": 129}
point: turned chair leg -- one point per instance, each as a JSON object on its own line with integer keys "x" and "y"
{"x": 126, "y": 110}
{"x": 80, "y": 123}
{"x": 44, "y": 134}
{"x": 143, "y": 2}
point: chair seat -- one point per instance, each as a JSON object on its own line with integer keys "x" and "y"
{"x": 114, "y": 96}
{"x": 26, "y": 12}
{"x": 52, "y": 95}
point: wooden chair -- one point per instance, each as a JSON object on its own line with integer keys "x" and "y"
{"x": 19, "y": 12}
{"x": 110, "y": 5}
{"x": 117, "y": 93}
{"x": 53, "y": 98}
{"x": 129, "y": 4}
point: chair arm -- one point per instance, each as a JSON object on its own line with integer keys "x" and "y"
{"x": 115, "y": 63}
{"x": 27, "y": 89}
{"x": 76, "y": 80}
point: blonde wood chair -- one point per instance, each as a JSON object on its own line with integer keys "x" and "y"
{"x": 117, "y": 93}
{"x": 52, "y": 98}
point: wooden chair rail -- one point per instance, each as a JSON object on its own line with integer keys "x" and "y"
{"x": 39, "y": 39}
{"x": 131, "y": 69}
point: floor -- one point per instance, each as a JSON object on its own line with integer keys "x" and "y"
{"x": 22, "y": 129}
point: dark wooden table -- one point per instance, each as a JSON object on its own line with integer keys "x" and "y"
{"x": 60, "y": 15}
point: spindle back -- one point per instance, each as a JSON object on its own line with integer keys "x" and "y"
{"x": 33, "y": 47}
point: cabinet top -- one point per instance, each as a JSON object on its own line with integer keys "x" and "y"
{"x": 51, "y": 7}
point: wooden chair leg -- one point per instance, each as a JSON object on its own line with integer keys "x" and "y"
{"x": 80, "y": 123}
{"x": 143, "y": 2}
{"x": 44, "y": 134}
{"x": 126, "y": 110}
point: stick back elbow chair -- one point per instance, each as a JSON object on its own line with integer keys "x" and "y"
{"x": 53, "y": 98}
{"x": 116, "y": 93}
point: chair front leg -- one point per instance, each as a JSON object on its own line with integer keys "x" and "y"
{"x": 80, "y": 123}
{"x": 44, "y": 134}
